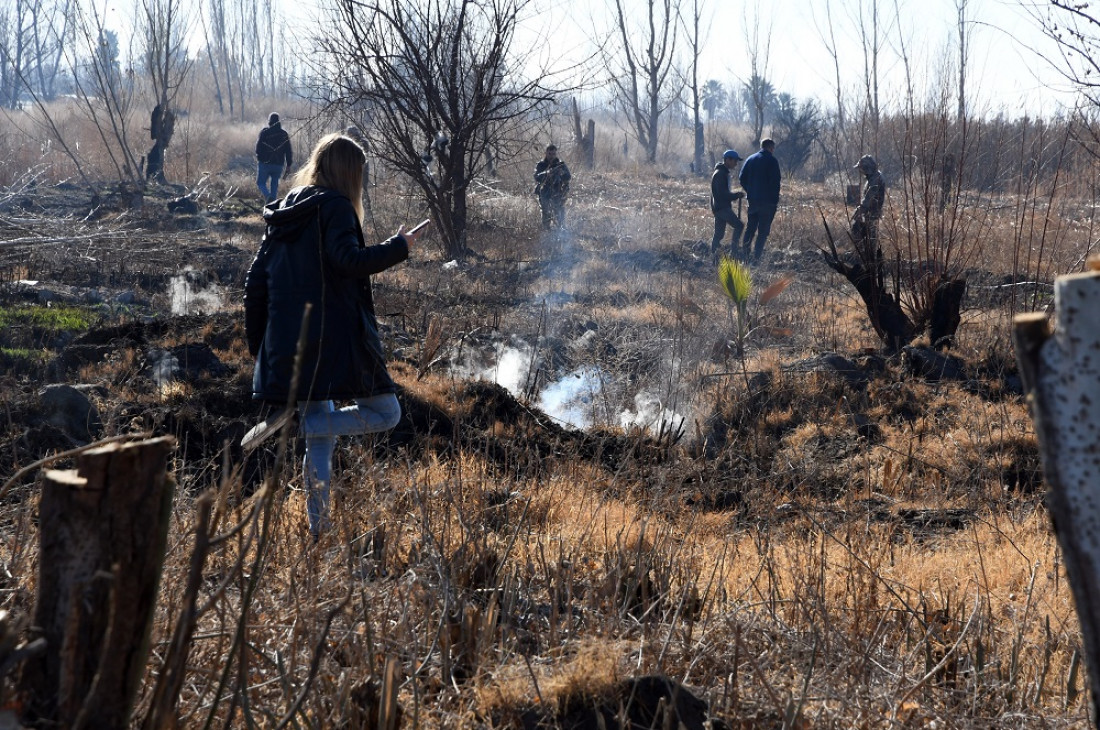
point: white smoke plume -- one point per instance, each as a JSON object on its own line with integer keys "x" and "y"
{"x": 189, "y": 293}
{"x": 571, "y": 399}
{"x": 650, "y": 413}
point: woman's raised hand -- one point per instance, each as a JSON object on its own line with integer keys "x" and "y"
{"x": 413, "y": 233}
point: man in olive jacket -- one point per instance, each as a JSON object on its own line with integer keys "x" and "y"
{"x": 721, "y": 202}
{"x": 273, "y": 156}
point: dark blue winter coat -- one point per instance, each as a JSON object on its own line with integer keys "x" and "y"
{"x": 760, "y": 177}
{"x": 313, "y": 251}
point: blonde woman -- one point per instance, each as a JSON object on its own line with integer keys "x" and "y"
{"x": 313, "y": 252}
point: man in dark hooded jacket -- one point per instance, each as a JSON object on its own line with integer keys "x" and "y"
{"x": 721, "y": 202}
{"x": 273, "y": 156}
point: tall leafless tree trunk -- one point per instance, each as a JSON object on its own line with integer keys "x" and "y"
{"x": 828, "y": 38}
{"x": 871, "y": 41}
{"x": 695, "y": 42}
{"x": 33, "y": 35}
{"x": 759, "y": 52}
{"x": 641, "y": 64}
{"x": 964, "y": 25}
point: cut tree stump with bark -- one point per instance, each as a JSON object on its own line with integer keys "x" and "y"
{"x": 1061, "y": 372}
{"x": 945, "y": 317}
{"x": 102, "y": 534}
{"x": 586, "y": 141}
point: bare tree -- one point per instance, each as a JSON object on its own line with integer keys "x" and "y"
{"x": 10, "y": 47}
{"x": 760, "y": 93}
{"x": 224, "y": 68}
{"x": 102, "y": 94}
{"x": 906, "y": 64}
{"x": 240, "y": 50}
{"x": 695, "y": 43}
{"x": 33, "y": 34}
{"x": 965, "y": 28}
{"x": 163, "y": 27}
{"x": 439, "y": 83}
{"x": 641, "y": 64}
{"x": 1075, "y": 29}
{"x": 871, "y": 40}
{"x": 828, "y": 38}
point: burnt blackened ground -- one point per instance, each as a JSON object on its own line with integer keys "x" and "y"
{"x": 797, "y": 433}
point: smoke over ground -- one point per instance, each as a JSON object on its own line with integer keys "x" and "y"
{"x": 578, "y": 363}
{"x": 193, "y": 292}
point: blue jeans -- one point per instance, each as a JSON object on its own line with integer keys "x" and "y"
{"x": 265, "y": 172}
{"x": 759, "y": 224}
{"x": 321, "y": 423}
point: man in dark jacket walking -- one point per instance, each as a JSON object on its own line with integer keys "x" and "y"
{"x": 552, "y": 186}
{"x": 721, "y": 202}
{"x": 760, "y": 177}
{"x": 273, "y": 155}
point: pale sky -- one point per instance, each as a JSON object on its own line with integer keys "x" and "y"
{"x": 1006, "y": 73}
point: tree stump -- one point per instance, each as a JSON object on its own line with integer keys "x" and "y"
{"x": 884, "y": 309}
{"x": 585, "y": 141}
{"x": 1061, "y": 372}
{"x": 102, "y": 534}
{"x": 945, "y": 316}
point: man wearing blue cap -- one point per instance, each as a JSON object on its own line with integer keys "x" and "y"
{"x": 760, "y": 177}
{"x": 721, "y": 202}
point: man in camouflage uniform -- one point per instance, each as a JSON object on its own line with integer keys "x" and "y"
{"x": 552, "y": 187}
{"x": 868, "y": 213}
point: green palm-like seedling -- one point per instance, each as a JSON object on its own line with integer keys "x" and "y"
{"x": 736, "y": 281}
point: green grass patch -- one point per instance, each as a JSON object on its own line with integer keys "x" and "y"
{"x": 62, "y": 318}
{"x": 23, "y": 354}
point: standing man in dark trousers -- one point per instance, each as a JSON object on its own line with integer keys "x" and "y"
{"x": 273, "y": 157}
{"x": 760, "y": 177}
{"x": 721, "y": 202}
{"x": 552, "y": 186}
{"x": 867, "y": 215}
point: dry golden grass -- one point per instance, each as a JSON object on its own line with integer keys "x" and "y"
{"x": 839, "y": 555}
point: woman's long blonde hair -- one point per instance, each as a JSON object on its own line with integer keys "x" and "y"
{"x": 336, "y": 162}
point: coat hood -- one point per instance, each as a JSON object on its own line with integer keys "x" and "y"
{"x": 298, "y": 207}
